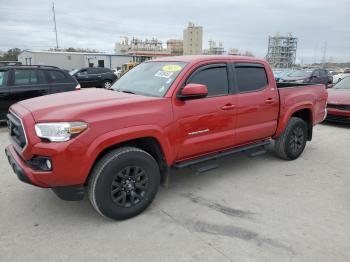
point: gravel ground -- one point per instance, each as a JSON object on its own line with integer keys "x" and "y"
{"x": 249, "y": 209}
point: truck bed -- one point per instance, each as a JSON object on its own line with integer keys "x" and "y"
{"x": 286, "y": 85}
{"x": 292, "y": 95}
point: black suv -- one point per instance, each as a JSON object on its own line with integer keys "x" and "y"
{"x": 23, "y": 82}
{"x": 94, "y": 77}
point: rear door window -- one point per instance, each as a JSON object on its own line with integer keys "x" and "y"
{"x": 94, "y": 71}
{"x": 57, "y": 76}
{"x": 25, "y": 77}
{"x": 214, "y": 77}
{"x": 3, "y": 78}
{"x": 250, "y": 78}
{"x": 41, "y": 77}
{"x": 106, "y": 70}
{"x": 316, "y": 73}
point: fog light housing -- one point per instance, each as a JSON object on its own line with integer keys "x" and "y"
{"x": 40, "y": 163}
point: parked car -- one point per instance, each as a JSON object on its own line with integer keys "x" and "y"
{"x": 279, "y": 73}
{"x": 23, "y": 82}
{"x": 176, "y": 112}
{"x": 312, "y": 76}
{"x": 94, "y": 77}
{"x": 338, "y": 105}
{"x": 338, "y": 77}
{"x": 117, "y": 71}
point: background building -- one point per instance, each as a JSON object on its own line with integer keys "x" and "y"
{"x": 282, "y": 51}
{"x": 175, "y": 46}
{"x": 193, "y": 39}
{"x": 73, "y": 60}
{"x": 141, "y": 50}
{"x": 214, "y": 48}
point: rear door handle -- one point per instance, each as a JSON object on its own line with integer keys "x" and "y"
{"x": 228, "y": 107}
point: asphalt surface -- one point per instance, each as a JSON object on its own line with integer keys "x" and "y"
{"x": 249, "y": 209}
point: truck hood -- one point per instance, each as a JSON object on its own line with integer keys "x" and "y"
{"x": 80, "y": 105}
{"x": 339, "y": 96}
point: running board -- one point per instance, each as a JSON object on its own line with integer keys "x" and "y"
{"x": 252, "y": 149}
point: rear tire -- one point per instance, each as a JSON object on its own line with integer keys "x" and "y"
{"x": 124, "y": 183}
{"x": 291, "y": 144}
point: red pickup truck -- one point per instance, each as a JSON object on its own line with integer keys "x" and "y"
{"x": 173, "y": 112}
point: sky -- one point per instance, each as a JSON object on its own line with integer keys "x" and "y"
{"x": 319, "y": 25}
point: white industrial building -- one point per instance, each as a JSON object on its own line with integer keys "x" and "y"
{"x": 73, "y": 60}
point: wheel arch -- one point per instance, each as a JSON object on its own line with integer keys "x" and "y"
{"x": 304, "y": 112}
{"x": 151, "y": 142}
{"x": 306, "y": 115}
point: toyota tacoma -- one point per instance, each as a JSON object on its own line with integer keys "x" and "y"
{"x": 118, "y": 145}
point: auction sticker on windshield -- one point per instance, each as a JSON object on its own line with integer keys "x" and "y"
{"x": 171, "y": 68}
{"x": 164, "y": 74}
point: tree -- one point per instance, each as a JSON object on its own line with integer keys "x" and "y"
{"x": 11, "y": 55}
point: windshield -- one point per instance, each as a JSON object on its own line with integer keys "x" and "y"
{"x": 73, "y": 71}
{"x": 301, "y": 73}
{"x": 343, "y": 84}
{"x": 150, "y": 78}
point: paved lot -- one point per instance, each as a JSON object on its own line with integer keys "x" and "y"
{"x": 261, "y": 209}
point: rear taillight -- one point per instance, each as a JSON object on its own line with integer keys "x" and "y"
{"x": 78, "y": 87}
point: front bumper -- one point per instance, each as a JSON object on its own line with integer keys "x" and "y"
{"x": 17, "y": 169}
{"x": 27, "y": 175}
{"x": 21, "y": 169}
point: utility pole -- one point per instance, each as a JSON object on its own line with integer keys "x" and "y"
{"x": 54, "y": 21}
{"x": 324, "y": 55}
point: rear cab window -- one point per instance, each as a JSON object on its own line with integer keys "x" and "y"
{"x": 250, "y": 77}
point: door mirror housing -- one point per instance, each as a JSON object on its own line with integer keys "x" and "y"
{"x": 193, "y": 91}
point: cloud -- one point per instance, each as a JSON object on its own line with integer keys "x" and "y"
{"x": 238, "y": 24}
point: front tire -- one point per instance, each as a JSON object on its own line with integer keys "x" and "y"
{"x": 291, "y": 144}
{"x": 107, "y": 84}
{"x": 124, "y": 183}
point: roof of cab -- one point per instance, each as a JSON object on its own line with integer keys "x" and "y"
{"x": 199, "y": 58}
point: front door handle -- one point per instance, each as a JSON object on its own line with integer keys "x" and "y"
{"x": 269, "y": 101}
{"x": 228, "y": 107}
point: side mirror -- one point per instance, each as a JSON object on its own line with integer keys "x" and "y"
{"x": 192, "y": 91}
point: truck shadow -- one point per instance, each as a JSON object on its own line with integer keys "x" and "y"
{"x": 335, "y": 124}
{"x": 228, "y": 167}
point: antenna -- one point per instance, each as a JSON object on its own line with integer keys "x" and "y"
{"x": 54, "y": 21}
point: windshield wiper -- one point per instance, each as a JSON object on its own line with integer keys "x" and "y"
{"x": 127, "y": 91}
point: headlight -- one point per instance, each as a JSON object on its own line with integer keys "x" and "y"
{"x": 58, "y": 132}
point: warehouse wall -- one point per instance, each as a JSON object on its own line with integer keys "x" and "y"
{"x": 71, "y": 61}
{"x": 63, "y": 60}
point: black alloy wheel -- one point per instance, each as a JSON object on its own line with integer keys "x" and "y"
{"x": 129, "y": 186}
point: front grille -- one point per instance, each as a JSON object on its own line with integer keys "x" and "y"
{"x": 339, "y": 107}
{"x": 340, "y": 119}
{"x": 16, "y": 130}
